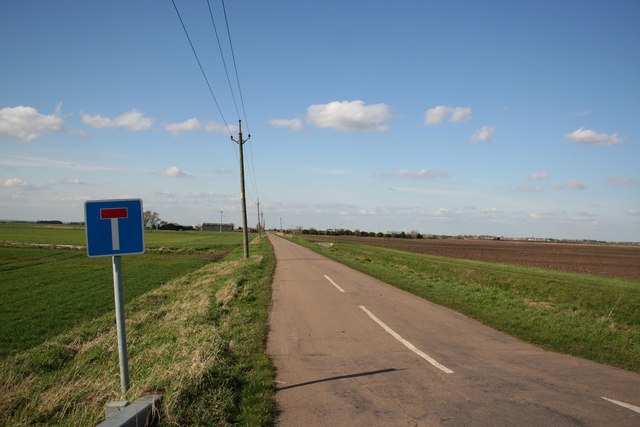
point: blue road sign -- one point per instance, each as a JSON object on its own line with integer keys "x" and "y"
{"x": 114, "y": 227}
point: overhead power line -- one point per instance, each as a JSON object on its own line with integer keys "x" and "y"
{"x": 231, "y": 88}
{"x": 235, "y": 66}
{"x": 252, "y": 172}
{"x": 215, "y": 30}
{"x": 201, "y": 69}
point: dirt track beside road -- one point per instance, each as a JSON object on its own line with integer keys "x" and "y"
{"x": 605, "y": 260}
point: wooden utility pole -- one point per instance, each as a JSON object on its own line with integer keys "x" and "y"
{"x": 245, "y": 231}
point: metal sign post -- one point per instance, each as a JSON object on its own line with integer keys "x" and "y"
{"x": 114, "y": 228}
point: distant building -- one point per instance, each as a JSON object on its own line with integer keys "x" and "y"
{"x": 213, "y": 226}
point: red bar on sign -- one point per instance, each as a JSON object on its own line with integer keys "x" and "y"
{"x": 113, "y": 213}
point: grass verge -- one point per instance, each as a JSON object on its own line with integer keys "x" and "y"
{"x": 583, "y": 315}
{"x": 199, "y": 339}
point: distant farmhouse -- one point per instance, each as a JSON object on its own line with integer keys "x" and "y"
{"x": 213, "y": 226}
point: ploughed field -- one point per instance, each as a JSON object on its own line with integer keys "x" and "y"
{"x": 605, "y": 260}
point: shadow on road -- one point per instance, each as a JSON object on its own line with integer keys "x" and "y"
{"x": 341, "y": 377}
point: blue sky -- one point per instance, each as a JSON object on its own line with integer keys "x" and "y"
{"x": 458, "y": 117}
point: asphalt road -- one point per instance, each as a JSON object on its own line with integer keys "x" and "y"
{"x": 351, "y": 350}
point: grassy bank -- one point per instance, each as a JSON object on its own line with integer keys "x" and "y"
{"x": 583, "y": 315}
{"x": 198, "y": 337}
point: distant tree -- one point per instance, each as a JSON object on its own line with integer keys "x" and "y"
{"x": 151, "y": 219}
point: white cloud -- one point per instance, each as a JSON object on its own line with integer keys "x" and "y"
{"x": 293, "y": 125}
{"x": 30, "y": 162}
{"x": 67, "y": 199}
{"x": 325, "y": 171}
{"x": 442, "y": 212}
{"x": 439, "y": 192}
{"x": 423, "y": 174}
{"x": 485, "y": 133}
{"x": 73, "y": 181}
{"x": 537, "y": 176}
{"x": 172, "y": 171}
{"x": 621, "y": 180}
{"x": 218, "y": 127}
{"x": 440, "y": 113}
{"x": 188, "y": 125}
{"x": 491, "y": 211}
{"x": 370, "y": 211}
{"x": 350, "y": 116}
{"x": 436, "y": 115}
{"x": 573, "y": 184}
{"x": 19, "y": 185}
{"x": 194, "y": 125}
{"x": 587, "y": 217}
{"x": 530, "y": 188}
{"x": 15, "y": 182}
{"x": 460, "y": 114}
{"x": 132, "y": 120}
{"x": 588, "y": 136}
{"x": 542, "y": 215}
{"x": 576, "y": 184}
{"x": 26, "y": 124}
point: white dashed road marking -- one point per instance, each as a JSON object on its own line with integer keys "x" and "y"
{"x": 406, "y": 343}
{"x": 624, "y": 405}
{"x": 333, "y": 283}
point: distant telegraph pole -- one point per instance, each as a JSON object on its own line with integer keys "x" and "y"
{"x": 221, "y": 221}
{"x": 259, "y": 223}
{"x": 245, "y": 231}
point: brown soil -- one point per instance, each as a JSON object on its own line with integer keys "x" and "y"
{"x": 599, "y": 259}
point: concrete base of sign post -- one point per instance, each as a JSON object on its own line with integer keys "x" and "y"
{"x": 114, "y": 407}
{"x": 142, "y": 412}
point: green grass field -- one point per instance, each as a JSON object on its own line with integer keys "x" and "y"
{"x": 75, "y": 235}
{"x": 196, "y": 327}
{"x": 46, "y": 291}
{"x": 583, "y": 315}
